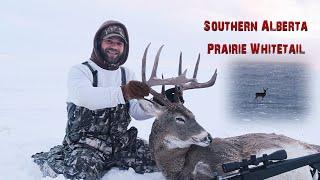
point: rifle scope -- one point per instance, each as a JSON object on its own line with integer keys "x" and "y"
{"x": 243, "y": 165}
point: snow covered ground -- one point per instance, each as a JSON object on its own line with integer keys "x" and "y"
{"x": 33, "y": 116}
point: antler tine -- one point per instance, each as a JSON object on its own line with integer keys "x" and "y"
{"x": 154, "y": 81}
{"x": 184, "y": 73}
{"x": 180, "y": 64}
{"x": 155, "y": 65}
{"x": 144, "y": 61}
{"x": 163, "y": 89}
{"x": 175, "y": 95}
{"x": 196, "y": 68}
{"x": 196, "y": 85}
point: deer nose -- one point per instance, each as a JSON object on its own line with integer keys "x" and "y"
{"x": 207, "y": 139}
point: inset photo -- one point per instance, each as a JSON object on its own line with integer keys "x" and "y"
{"x": 268, "y": 91}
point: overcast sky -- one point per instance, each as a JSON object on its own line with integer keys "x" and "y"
{"x": 56, "y": 30}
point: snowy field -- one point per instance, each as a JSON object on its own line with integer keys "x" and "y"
{"x": 287, "y": 96}
{"x": 33, "y": 116}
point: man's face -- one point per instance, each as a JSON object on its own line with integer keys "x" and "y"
{"x": 112, "y": 48}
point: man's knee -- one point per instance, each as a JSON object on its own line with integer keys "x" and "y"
{"x": 85, "y": 164}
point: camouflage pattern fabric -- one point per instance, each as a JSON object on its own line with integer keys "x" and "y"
{"x": 96, "y": 141}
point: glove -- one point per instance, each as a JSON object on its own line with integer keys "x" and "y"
{"x": 135, "y": 90}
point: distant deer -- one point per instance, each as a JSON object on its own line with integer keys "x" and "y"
{"x": 183, "y": 149}
{"x": 261, "y": 94}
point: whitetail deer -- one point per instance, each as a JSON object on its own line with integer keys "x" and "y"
{"x": 182, "y": 148}
{"x": 261, "y": 94}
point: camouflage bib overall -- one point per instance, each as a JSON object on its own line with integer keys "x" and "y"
{"x": 95, "y": 141}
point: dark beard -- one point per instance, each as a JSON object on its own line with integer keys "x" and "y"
{"x": 108, "y": 59}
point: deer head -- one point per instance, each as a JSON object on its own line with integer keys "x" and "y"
{"x": 175, "y": 125}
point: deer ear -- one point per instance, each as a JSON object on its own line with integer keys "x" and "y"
{"x": 150, "y": 107}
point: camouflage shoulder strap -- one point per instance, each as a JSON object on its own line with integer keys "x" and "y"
{"x": 94, "y": 74}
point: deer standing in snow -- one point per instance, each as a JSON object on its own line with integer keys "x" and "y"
{"x": 183, "y": 149}
{"x": 261, "y": 94}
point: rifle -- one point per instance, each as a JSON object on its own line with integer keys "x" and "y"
{"x": 272, "y": 165}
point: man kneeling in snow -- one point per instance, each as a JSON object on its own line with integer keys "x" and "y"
{"x": 100, "y": 102}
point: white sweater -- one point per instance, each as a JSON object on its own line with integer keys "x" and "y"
{"x": 107, "y": 94}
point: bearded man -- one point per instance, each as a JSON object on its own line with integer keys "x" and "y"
{"x": 101, "y": 98}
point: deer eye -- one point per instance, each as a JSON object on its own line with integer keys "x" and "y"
{"x": 180, "y": 120}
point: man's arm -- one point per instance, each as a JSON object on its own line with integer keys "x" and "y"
{"x": 82, "y": 93}
{"x": 135, "y": 110}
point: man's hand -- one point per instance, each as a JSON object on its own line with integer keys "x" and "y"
{"x": 135, "y": 90}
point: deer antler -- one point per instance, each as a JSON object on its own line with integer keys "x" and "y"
{"x": 181, "y": 80}
{"x": 194, "y": 84}
{"x": 154, "y": 80}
